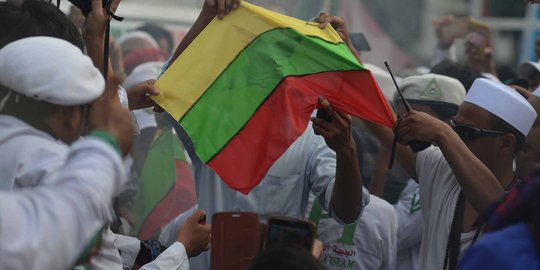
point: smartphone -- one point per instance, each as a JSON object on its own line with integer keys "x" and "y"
{"x": 479, "y": 36}
{"x": 321, "y": 113}
{"x": 360, "y": 42}
{"x": 86, "y": 5}
{"x": 291, "y": 231}
{"x": 237, "y": 238}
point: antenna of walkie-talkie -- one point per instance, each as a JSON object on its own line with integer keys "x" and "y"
{"x": 416, "y": 146}
{"x": 405, "y": 103}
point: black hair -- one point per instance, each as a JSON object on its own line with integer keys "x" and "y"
{"x": 500, "y": 125}
{"x": 36, "y": 18}
{"x": 285, "y": 257}
{"x": 158, "y": 32}
{"x": 507, "y": 74}
{"x": 463, "y": 74}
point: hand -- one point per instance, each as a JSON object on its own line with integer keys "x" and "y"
{"x": 96, "y": 22}
{"x": 420, "y": 126}
{"x": 194, "y": 236}
{"x": 338, "y": 23}
{"x": 211, "y": 8}
{"x": 317, "y": 249}
{"x": 338, "y": 132}
{"x": 480, "y": 58}
{"x": 107, "y": 114}
{"x": 139, "y": 96}
{"x": 438, "y": 25}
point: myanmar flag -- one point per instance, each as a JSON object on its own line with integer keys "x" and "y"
{"x": 245, "y": 89}
{"x": 166, "y": 185}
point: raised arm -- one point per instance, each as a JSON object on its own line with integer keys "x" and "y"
{"x": 347, "y": 194}
{"x": 478, "y": 183}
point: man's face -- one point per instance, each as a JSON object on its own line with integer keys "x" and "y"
{"x": 483, "y": 147}
{"x": 74, "y": 123}
{"x": 528, "y": 158}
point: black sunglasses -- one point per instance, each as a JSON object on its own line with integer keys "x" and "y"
{"x": 469, "y": 134}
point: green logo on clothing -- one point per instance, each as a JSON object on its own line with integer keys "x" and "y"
{"x": 415, "y": 204}
{"x": 432, "y": 91}
{"x": 347, "y": 237}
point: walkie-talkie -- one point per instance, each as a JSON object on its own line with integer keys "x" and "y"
{"x": 416, "y": 146}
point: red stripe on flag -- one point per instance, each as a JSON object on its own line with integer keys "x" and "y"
{"x": 179, "y": 199}
{"x": 284, "y": 116}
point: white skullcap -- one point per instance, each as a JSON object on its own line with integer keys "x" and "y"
{"x": 433, "y": 88}
{"x": 51, "y": 70}
{"x": 143, "y": 72}
{"x": 504, "y": 102}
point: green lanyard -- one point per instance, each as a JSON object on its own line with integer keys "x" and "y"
{"x": 347, "y": 236}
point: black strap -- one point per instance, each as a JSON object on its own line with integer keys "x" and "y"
{"x": 453, "y": 245}
{"x": 107, "y": 38}
{"x": 454, "y": 239}
{"x": 394, "y": 142}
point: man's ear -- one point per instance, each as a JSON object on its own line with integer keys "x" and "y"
{"x": 71, "y": 119}
{"x": 508, "y": 144}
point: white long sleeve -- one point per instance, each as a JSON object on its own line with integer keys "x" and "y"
{"x": 48, "y": 227}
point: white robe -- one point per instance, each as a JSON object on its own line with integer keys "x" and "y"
{"x": 34, "y": 159}
{"x": 48, "y": 227}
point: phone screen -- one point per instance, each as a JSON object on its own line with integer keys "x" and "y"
{"x": 290, "y": 231}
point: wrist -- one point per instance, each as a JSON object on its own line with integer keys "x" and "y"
{"x": 444, "y": 135}
{"x": 107, "y": 138}
{"x": 91, "y": 39}
{"x": 347, "y": 151}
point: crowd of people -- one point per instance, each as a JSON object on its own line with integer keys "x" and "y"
{"x": 75, "y": 135}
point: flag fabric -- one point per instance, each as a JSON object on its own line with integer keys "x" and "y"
{"x": 166, "y": 185}
{"x": 246, "y": 87}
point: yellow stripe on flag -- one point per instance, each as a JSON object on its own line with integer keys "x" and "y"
{"x": 216, "y": 47}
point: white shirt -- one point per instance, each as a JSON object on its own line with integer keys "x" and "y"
{"x": 369, "y": 244}
{"x": 409, "y": 214}
{"x": 439, "y": 191}
{"x": 35, "y": 157}
{"x": 307, "y": 166}
{"x": 30, "y": 155}
{"x": 49, "y": 226}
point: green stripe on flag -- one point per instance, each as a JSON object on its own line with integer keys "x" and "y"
{"x": 158, "y": 175}
{"x": 228, "y": 104}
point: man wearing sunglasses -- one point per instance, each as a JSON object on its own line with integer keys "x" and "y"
{"x": 468, "y": 168}
{"x": 440, "y": 97}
